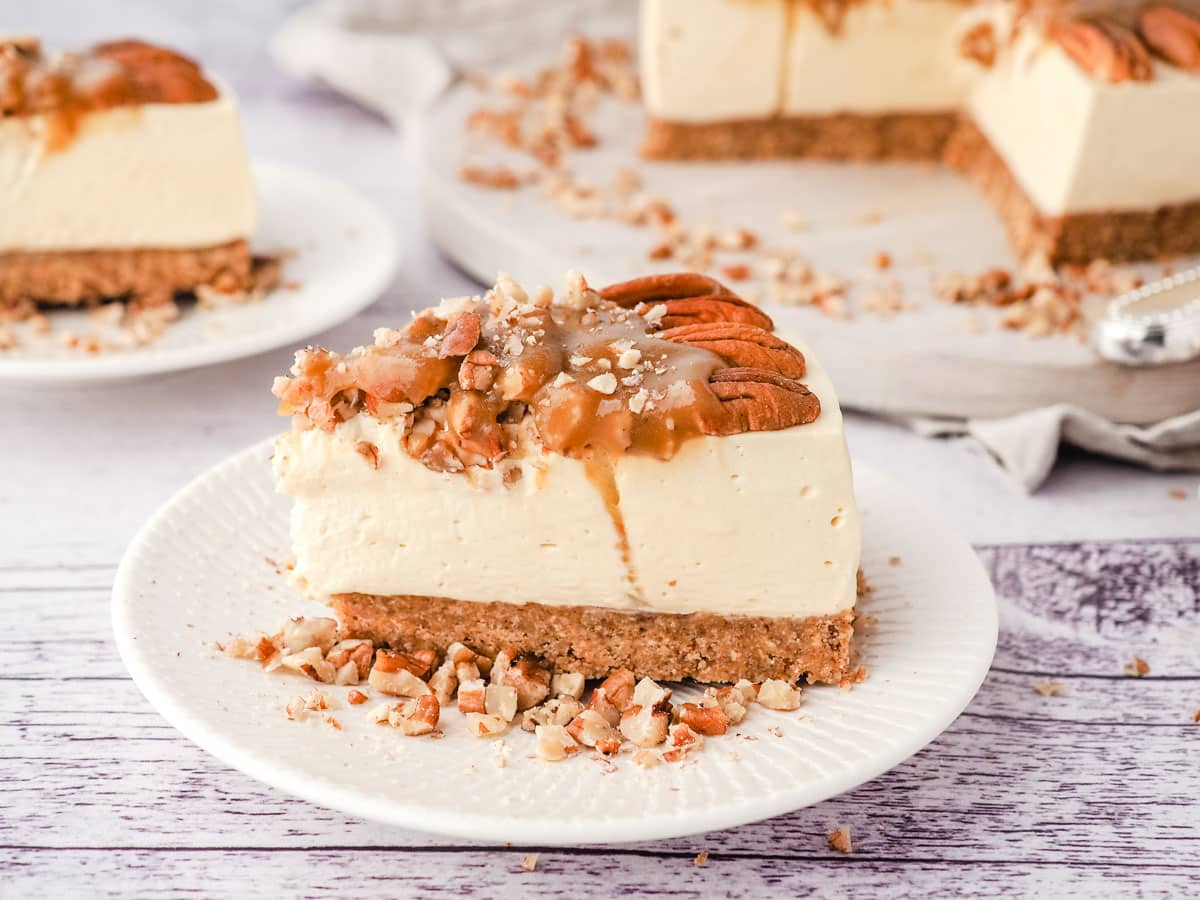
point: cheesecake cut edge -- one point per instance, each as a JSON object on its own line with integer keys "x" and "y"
{"x": 705, "y": 647}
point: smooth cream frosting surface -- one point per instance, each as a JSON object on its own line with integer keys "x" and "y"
{"x": 762, "y": 523}
{"x": 154, "y": 175}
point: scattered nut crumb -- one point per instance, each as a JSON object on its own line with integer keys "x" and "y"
{"x": 1050, "y": 688}
{"x": 840, "y": 840}
{"x": 1177, "y": 494}
{"x": 701, "y": 858}
{"x": 894, "y": 560}
{"x": 530, "y": 862}
{"x": 1138, "y": 668}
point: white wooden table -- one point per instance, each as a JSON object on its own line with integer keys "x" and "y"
{"x": 1095, "y": 792}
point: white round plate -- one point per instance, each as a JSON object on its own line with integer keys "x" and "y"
{"x": 191, "y": 578}
{"x": 344, "y": 255}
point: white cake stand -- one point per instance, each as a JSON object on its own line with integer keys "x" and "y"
{"x": 922, "y": 361}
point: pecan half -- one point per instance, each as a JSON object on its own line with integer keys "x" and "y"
{"x": 1173, "y": 34}
{"x": 744, "y": 346}
{"x": 1105, "y": 50}
{"x": 688, "y": 298}
{"x": 461, "y": 335}
{"x": 759, "y": 400}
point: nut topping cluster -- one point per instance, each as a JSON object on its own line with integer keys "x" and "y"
{"x": 621, "y": 714}
{"x": 638, "y": 367}
{"x": 118, "y": 73}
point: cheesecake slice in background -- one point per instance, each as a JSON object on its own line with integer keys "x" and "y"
{"x": 122, "y": 175}
{"x": 643, "y": 476}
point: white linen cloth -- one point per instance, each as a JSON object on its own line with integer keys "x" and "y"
{"x": 397, "y": 56}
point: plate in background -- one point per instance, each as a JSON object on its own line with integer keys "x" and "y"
{"x": 343, "y": 254}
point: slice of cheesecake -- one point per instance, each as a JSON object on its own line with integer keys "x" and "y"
{"x": 643, "y": 476}
{"x": 122, "y": 175}
{"x": 1083, "y": 133}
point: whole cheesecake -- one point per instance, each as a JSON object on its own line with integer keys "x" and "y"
{"x": 643, "y": 476}
{"x": 123, "y": 175}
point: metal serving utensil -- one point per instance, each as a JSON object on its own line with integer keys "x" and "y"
{"x": 1156, "y": 324}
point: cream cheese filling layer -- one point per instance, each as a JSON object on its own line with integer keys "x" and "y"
{"x": 887, "y": 57}
{"x": 760, "y": 524}
{"x": 712, "y": 60}
{"x": 155, "y": 175}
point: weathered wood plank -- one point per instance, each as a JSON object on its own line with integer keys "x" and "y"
{"x": 1088, "y": 777}
{"x": 401, "y": 872}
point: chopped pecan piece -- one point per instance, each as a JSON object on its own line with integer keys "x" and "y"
{"x": 416, "y": 716}
{"x": 554, "y": 743}
{"x": 444, "y": 683}
{"x": 559, "y": 711}
{"x": 478, "y": 371}
{"x": 301, "y": 633}
{"x": 618, "y": 688}
{"x": 396, "y": 681}
{"x": 352, "y": 650}
{"x": 310, "y": 662}
{"x": 419, "y": 662}
{"x": 979, "y": 43}
{"x": 485, "y": 726}
{"x": 645, "y": 726}
{"x": 461, "y": 335}
{"x": 529, "y": 675}
{"x": 650, "y": 693}
{"x": 706, "y": 720}
{"x": 731, "y": 701}
{"x": 500, "y": 700}
{"x": 592, "y": 730}
{"x": 472, "y": 696}
{"x": 567, "y": 684}
{"x": 605, "y": 708}
{"x": 681, "y": 741}
{"x": 777, "y": 694}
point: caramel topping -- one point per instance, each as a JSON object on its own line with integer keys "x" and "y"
{"x": 591, "y": 375}
{"x": 68, "y": 86}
